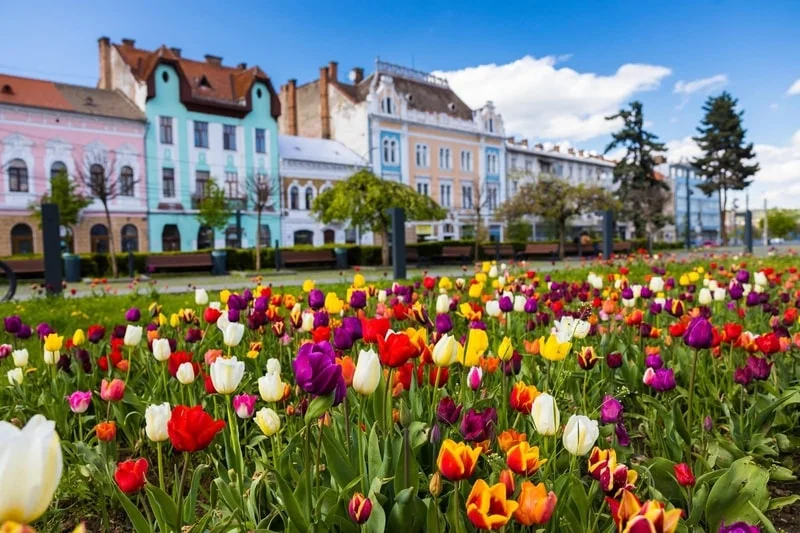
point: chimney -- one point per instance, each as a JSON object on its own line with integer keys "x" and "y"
{"x": 242, "y": 66}
{"x": 357, "y": 75}
{"x": 104, "y": 51}
{"x": 176, "y": 51}
{"x": 291, "y": 105}
{"x": 539, "y": 146}
{"x": 324, "y": 110}
{"x": 333, "y": 71}
{"x": 128, "y": 43}
{"x": 524, "y": 142}
{"x": 214, "y": 60}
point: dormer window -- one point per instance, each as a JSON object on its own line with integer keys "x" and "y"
{"x": 451, "y": 106}
{"x": 387, "y": 105}
{"x": 490, "y": 125}
{"x": 89, "y": 101}
{"x": 7, "y": 89}
{"x": 204, "y": 83}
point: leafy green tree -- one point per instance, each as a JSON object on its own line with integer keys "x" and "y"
{"x": 214, "y": 210}
{"x": 640, "y": 192}
{"x": 64, "y": 193}
{"x": 556, "y": 200}
{"x": 519, "y": 230}
{"x": 780, "y": 222}
{"x": 723, "y": 163}
{"x": 364, "y": 199}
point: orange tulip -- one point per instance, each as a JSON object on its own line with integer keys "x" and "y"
{"x": 523, "y": 459}
{"x": 531, "y": 347}
{"x": 536, "y": 505}
{"x": 522, "y": 396}
{"x": 489, "y": 364}
{"x": 631, "y": 515}
{"x": 488, "y": 507}
{"x": 613, "y": 477}
{"x": 510, "y": 438}
{"x": 457, "y": 461}
{"x": 106, "y": 431}
{"x": 348, "y": 368}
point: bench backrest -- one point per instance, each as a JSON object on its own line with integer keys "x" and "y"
{"x": 24, "y": 266}
{"x": 203, "y": 259}
{"x": 308, "y": 255}
{"x": 457, "y": 250}
{"x": 540, "y": 248}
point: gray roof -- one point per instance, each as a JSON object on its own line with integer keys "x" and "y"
{"x": 318, "y": 151}
{"x": 105, "y": 103}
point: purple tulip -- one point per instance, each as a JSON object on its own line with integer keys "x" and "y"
{"x": 236, "y": 302}
{"x": 708, "y": 423}
{"x": 316, "y": 300}
{"x": 514, "y": 365}
{"x": 193, "y": 335}
{"x": 736, "y": 291}
{"x": 245, "y": 405}
{"x": 742, "y": 276}
{"x": 13, "y": 324}
{"x": 478, "y": 426}
{"x": 83, "y": 357}
{"x": 119, "y": 331}
{"x": 133, "y": 314}
{"x": 352, "y": 325}
{"x": 646, "y": 293}
{"x": 506, "y": 304}
{"x": 444, "y": 323}
{"x": 234, "y": 314}
{"x": 96, "y": 334}
{"x": 256, "y": 320}
{"x": 654, "y": 361}
{"x": 531, "y": 305}
{"x": 645, "y": 329}
{"x": 743, "y": 376}
{"x": 622, "y": 435}
{"x": 699, "y": 334}
{"x": 627, "y": 293}
{"x": 759, "y": 367}
{"x": 44, "y": 329}
{"x": 64, "y": 363}
{"x": 661, "y": 380}
{"x": 753, "y": 299}
{"x": 474, "y": 378}
{"x": 656, "y": 308}
{"x": 436, "y": 434}
{"x": 24, "y": 332}
{"x": 342, "y": 339}
{"x": 614, "y": 360}
{"x": 247, "y": 295}
{"x": 611, "y": 410}
{"x": 261, "y": 304}
{"x": 448, "y": 411}
{"x": 358, "y": 300}
{"x": 738, "y": 527}
{"x": 316, "y": 371}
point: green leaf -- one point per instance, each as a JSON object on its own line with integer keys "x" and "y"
{"x": 454, "y": 515}
{"x": 377, "y": 519}
{"x": 138, "y": 521}
{"x": 435, "y": 521}
{"x": 400, "y": 481}
{"x": 374, "y": 458}
{"x": 338, "y": 464}
{"x": 293, "y": 509}
{"x": 163, "y": 507}
{"x": 190, "y": 503}
{"x": 698, "y": 504}
{"x": 317, "y": 407}
{"x": 680, "y": 424}
{"x": 764, "y": 520}
{"x": 408, "y": 514}
{"x": 781, "y": 473}
{"x": 744, "y": 482}
{"x": 783, "y": 501}
{"x": 379, "y": 403}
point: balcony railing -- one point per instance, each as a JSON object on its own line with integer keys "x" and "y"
{"x": 235, "y": 203}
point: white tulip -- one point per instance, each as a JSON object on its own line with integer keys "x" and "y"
{"x": 719, "y": 294}
{"x": 200, "y": 297}
{"x": 545, "y": 414}
{"x": 185, "y": 374}
{"x": 233, "y": 334}
{"x": 51, "y": 358}
{"x": 268, "y": 421}
{"x": 156, "y": 418}
{"x": 226, "y": 374}
{"x": 308, "y": 322}
{"x": 443, "y": 304}
{"x": 215, "y": 305}
{"x": 759, "y": 278}
{"x": 381, "y": 295}
{"x": 445, "y": 351}
{"x": 223, "y": 322}
{"x": 582, "y": 328}
{"x": 628, "y": 302}
{"x": 133, "y": 335}
{"x": 519, "y": 303}
{"x": 713, "y": 284}
{"x": 273, "y": 366}
{"x": 296, "y": 308}
{"x": 595, "y": 281}
{"x": 493, "y": 308}
{"x": 270, "y": 387}
{"x": 15, "y": 375}
{"x": 704, "y": 296}
{"x": 637, "y": 291}
{"x": 580, "y": 434}
{"x": 20, "y": 357}
{"x": 30, "y": 467}
{"x": 618, "y": 283}
{"x": 501, "y": 281}
{"x": 493, "y": 271}
{"x": 161, "y": 349}
{"x": 368, "y": 372}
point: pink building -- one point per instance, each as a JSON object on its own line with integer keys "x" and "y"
{"x": 91, "y": 134}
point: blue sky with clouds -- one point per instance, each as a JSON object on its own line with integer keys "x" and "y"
{"x": 554, "y": 69}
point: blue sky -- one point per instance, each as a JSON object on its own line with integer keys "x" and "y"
{"x": 552, "y": 68}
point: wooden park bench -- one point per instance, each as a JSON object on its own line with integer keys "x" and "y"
{"x": 178, "y": 261}
{"x": 506, "y": 251}
{"x": 623, "y": 247}
{"x": 540, "y": 249}
{"x": 26, "y": 266}
{"x": 322, "y": 256}
{"x": 457, "y": 253}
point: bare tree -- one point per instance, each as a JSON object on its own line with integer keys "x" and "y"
{"x": 261, "y": 191}
{"x": 103, "y": 182}
{"x": 480, "y": 205}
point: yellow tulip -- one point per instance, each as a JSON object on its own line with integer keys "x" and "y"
{"x": 162, "y": 319}
{"x": 308, "y": 285}
{"x": 480, "y": 277}
{"x": 174, "y": 320}
{"x": 445, "y": 283}
{"x": 694, "y": 276}
{"x": 701, "y": 269}
{"x": 553, "y": 350}
{"x": 79, "y": 337}
{"x": 53, "y": 342}
{"x": 486, "y": 266}
{"x": 475, "y": 290}
{"x": 477, "y": 344}
{"x": 683, "y": 281}
{"x": 333, "y": 305}
{"x": 468, "y": 312}
{"x": 506, "y": 350}
{"x": 359, "y": 281}
{"x": 224, "y": 295}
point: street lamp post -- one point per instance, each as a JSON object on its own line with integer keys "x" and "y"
{"x": 688, "y": 213}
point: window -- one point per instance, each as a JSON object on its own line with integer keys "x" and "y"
{"x": 201, "y": 180}
{"x": 261, "y": 141}
{"x": 303, "y": 236}
{"x": 309, "y": 197}
{"x": 466, "y": 161}
{"x": 229, "y": 137}
{"x": 559, "y": 169}
{"x": 489, "y": 123}
{"x": 445, "y": 194}
{"x": 491, "y": 190}
{"x": 546, "y": 167}
{"x": 97, "y": 180}
{"x": 466, "y": 196}
{"x": 422, "y": 155}
{"x": 205, "y": 238}
{"x": 200, "y": 134}
{"x": 528, "y": 166}
{"x": 57, "y": 168}
{"x": 514, "y": 187}
{"x": 98, "y": 235}
{"x": 265, "y": 235}
{"x": 165, "y": 126}
{"x": 170, "y": 238}
{"x": 513, "y": 163}
{"x": 232, "y": 237}
{"x": 491, "y": 163}
{"x": 390, "y": 156}
{"x": 387, "y": 105}
{"x": 126, "y": 182}
{"x": 445, "y": 161}
{"x": 294, "y": 198}
{"x": 18, "y": 176}
{"x": 263, "y": 190}
{"x": 328, "y": 236}
{"x": 130, "y": 238}
{"x": 168, "y": 183}
{"x": 350, "y": 236}
{"x": 21, "y": 239}
{"x": 232, "y": 184}
{"x": 423, "y": 187}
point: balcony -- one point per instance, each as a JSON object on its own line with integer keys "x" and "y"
{"x": 235, "y": 203}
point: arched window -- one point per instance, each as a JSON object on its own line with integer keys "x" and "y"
{"x": 99, "y": 239}
{"x": 130, "y": 238}
{"x": 309, "y": 198}
{"x": 390, "y": 151}
{"x": 328, "y": 236}
{"x": 126, "y": 181}
{"x": 21, "y": 239}
{"x": 171, "y": 238}
{"x": 232, "y": 237}
{"x": 17, "y": 176}
{"x": 265, "y": 235}
{"x": 97, "y": 179}
{"x": 387, "y": 105}
{"x": 57, "y": 168}
{"x": 205, "y": 238}
{"x": 303, "y": 236}
{"x": 294, "y": 198}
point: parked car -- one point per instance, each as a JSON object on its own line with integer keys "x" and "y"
{"x": 776, "y": 240}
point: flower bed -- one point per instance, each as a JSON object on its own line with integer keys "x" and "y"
{"x": 653, "y": 395}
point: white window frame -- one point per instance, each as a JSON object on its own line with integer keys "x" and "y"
{"x": 387, "y": 105}
{"x": 449, "y": 196}
{"x": 423, "y": 186}
{"x": 466, "y": 160}
{"x": 422, "y": 155}
{"x": 491, "y": 163}
{"x": 232, "y": 184}
{"x": 389, "y": 153}
{"x": 466, "y": 199}
{"x": 445, "y": 158}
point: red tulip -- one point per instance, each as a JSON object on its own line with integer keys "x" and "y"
{"x": 374, "y": 329}
{"x": 396, "y": 349}
{"x": 731, "y": 332}
{"x": 210, "y": 315}
{"x": 176, "y": 359}
{"x": 131, "y": 475}
{"x": 768, "y": 344}
{"x": 684, "y": 475}
{"x": 191, "y": 429}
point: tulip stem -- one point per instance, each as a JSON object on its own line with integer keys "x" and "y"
{"x": 359, "y": 446}
{"x": 388, "y": 406}
{"x": 160, "y": 466}
{"x": 236, "y": 450}
{"x": 180, "y": 490}
{"x": 691, "y": 401}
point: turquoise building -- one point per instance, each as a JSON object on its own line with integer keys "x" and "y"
{"x": 205, "y": 121}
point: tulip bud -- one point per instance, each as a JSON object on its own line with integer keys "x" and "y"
{"x": 367, "y": 374}
{"x": 244, "y": 405}
{"x": 226, "y": 374}
{"x": 20, "y": 357}
{"x": 161, "y": 349}
{"x": 474, "y": 377}
{"x": 507, "y": 479}
{"x": 580, "y": 434}
{"x": 435, "y": 485}
{"x": 405, "y": 415}
{"x": 359, "y": 508}
{"x": 15, "y": 376}
{"x": 78, "y": 338}
{"x": 443, "y": 303}
{"x": 614, "y": 360}
{"x": 79, "y": 401}
{"x": 185, "y": 374}
{"x": 133, "y": 335}
{"x": 200, "y": 297}
{"x": 270, "y": 387}
{"x": 268, "y": 421}
{"x": 545, "y": 414}
{"x": 156, "y": 418}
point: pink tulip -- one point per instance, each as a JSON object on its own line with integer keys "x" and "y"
{"x": 113, "y": 391}
{"x": 79, "y": 401}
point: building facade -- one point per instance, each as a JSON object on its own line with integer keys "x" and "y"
{"x": 414, "y": 129}
{"x": 91, "y": 135}
{"x": 205, "y": 121}
{"x": 702, "y": 211}
{"x": 309, "y": 167}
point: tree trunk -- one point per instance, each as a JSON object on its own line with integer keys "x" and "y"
{"x": 562, "y": 238}
{"x": 477, "y": 230}
{"x": 114, "y": 270}
{"x": 384, "y": 247}
{"x": 723, "y": 233}
{"x": 258, "y": 240}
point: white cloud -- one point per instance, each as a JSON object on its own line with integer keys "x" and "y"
{"x": 794, "y": 89}
{"x": 703, "y": 84}
{"x": 540, "y": 100}
{"x": 680, "y": 149}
